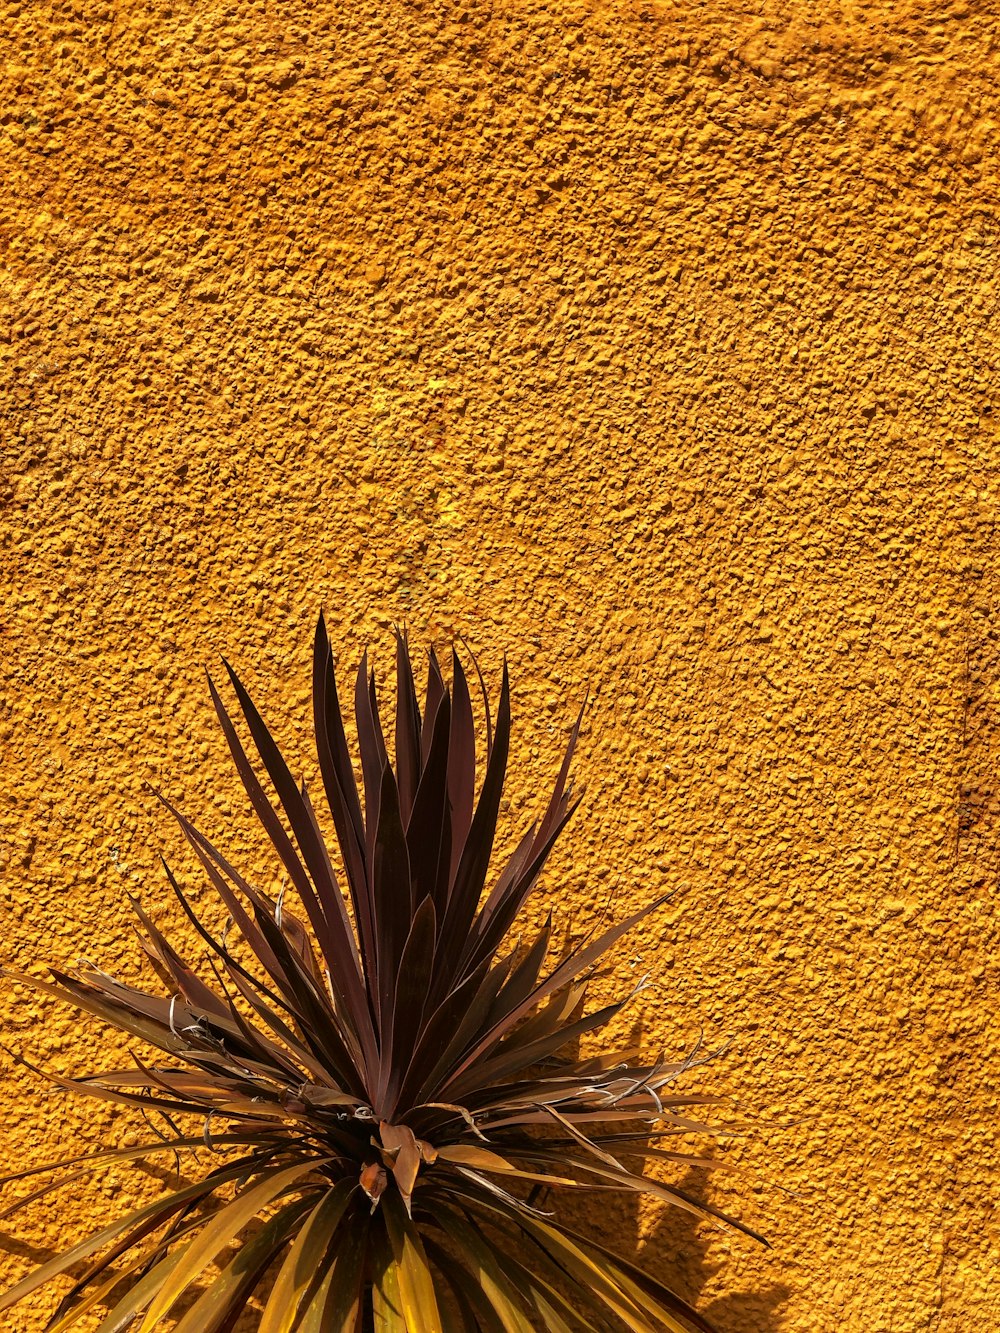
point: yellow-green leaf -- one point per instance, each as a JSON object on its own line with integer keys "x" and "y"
{"x": 299, "y": 1270}
{"x": 223, "y": 1227}
{"x": 416, "y": 1283}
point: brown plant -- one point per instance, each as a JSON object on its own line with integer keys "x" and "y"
{"x": 391, "y": 1082}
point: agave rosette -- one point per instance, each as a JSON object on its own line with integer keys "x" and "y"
{"x": 391, "y": 1084}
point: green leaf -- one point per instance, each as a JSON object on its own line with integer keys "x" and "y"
{"x": 228, "y": 1292}
{"x": 486, "y": 1266}
{"x": 335, "y": 1305}
{"x": 387, "y": 1300}
{"x": 223, "y": 1227}
{"x": 473, "y": 1307}
{"x": 137, "y": 1221}
{"x": 298, "y": 1272}
{"x": 416, "y": 1284}
{"x": 138, "y": 1295}
{"x": 606, "y": 1279}
{"x": 140, "y": 1292}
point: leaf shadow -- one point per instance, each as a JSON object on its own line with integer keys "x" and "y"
{"x": 38, "y": 1254}
{"x": 675, "y": 1249}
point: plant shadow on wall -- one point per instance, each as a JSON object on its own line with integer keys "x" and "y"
{"x": 676, "y": 1246}
{"x": 384, "y": 1084}
{"x": 675, "y": 1249}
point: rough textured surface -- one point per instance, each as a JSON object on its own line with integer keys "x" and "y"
{"x": 653, "y": 344}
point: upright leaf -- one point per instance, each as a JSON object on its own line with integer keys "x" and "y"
{"x": 407, "y": 730}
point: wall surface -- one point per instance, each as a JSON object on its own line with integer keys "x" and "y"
{"x": 654, "y": 344}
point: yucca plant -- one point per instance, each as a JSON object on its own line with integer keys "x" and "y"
{"x": 389, "y": 1083}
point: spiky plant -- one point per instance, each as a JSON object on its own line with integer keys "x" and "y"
{"x": 392, "y": 1083}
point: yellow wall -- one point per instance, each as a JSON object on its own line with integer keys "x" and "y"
{"x": 653, "y": 344}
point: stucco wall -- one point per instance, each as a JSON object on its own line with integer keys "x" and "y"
{"x": 655, "y": 345}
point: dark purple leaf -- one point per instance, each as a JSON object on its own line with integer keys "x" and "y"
{"x": 407, "y": 730}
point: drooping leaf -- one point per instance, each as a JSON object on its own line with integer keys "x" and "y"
{"x": 227, "y": 1223}
{"x": 138, "y": 1224}
{"x": 123, "y": 1313}
{"x": 301, "y": 1270}
{"x": 227, "y": 1292}
{"x": 335, "y": 1305}
{"x": 487, "y": 1271}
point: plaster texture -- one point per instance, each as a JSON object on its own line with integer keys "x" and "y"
{"x": 653, "y": 344}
